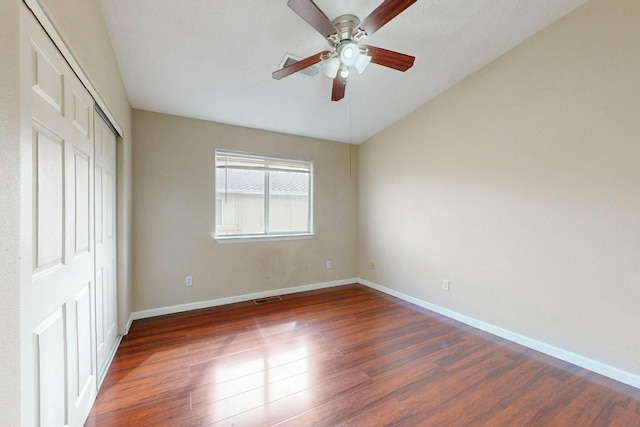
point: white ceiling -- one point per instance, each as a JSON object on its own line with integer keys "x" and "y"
{"x": 213, "y": 59}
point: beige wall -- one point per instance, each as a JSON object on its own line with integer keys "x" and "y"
{"x": 9, "y": 213}
{"x": 174, "y": 214}
{"x": 521, "y": 185}
{"x": 82, "y": 26}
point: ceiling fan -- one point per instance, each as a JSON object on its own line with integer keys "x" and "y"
{"x": 344, "y": 35}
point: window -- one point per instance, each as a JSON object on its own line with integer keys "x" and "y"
{"x": 260, "y": 196}
{"x": 227, "y": 213}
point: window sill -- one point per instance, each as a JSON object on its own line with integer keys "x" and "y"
{"x": 262, "y": 238}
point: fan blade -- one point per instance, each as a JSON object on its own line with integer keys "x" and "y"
{"x": 389, "y": 58}
{"x": 339, "y": 85}
{"x": 298, "y": 66}
{"x": 315, "y": 17}
{"x": 384, "y": 13}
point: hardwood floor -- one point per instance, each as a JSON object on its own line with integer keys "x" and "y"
{"x": 346, "y": 356}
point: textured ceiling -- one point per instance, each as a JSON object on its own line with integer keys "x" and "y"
{"x": 212, "y": 59}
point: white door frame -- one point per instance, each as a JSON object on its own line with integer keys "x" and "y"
{"x": 107, "y": 337}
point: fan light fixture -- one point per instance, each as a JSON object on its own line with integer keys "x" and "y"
{"x": 349, "y": 53}
{"x": 344, "y": 71}
{"x": 330, "y": 67}
{"x": 362, "y": 62}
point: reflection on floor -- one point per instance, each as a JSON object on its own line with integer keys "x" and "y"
{"x": 344, "y": 356}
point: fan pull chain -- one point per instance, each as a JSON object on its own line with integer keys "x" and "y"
{"x": 350, "y": 135}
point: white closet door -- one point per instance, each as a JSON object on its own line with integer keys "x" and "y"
{"x": 105, "y": 238}
{"x": 58, "y": 238}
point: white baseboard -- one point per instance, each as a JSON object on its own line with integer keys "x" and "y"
{"x": 559, "y": 353}
{"x": 230, "y": 300}
{"x": 128, "y": 325}
{"x": 112, "y": 355}
{"x": 578, "y": 360}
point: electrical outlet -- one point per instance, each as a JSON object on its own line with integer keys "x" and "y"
{"x": 328, "y": 264}
{"x": 445, "y": 285}
{"x": 372, "y": 266}
{"x": 189, "y": 281}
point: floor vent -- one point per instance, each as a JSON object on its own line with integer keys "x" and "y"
{"x": 267, "y": 300}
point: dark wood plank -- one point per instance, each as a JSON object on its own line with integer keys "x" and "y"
{"x": 384, "y": 13}
{"x": 389, "y": 58}
{"x": 315, "y": 17}
{"x": 346, "y": 356}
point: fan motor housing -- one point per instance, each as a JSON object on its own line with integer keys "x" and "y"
{"x": 346, "y": 24}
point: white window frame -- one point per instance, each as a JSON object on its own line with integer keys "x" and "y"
{"x": 225, "y": 225}
{"x": 241, "y": 160}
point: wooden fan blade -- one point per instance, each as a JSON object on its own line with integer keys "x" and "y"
{"x": 315, "y": 17}
{"x": 298, "y": 66}
{"x": 389, "y": 58}
{"x": 339, "y": 86}
{"x": 384, "y": 13}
